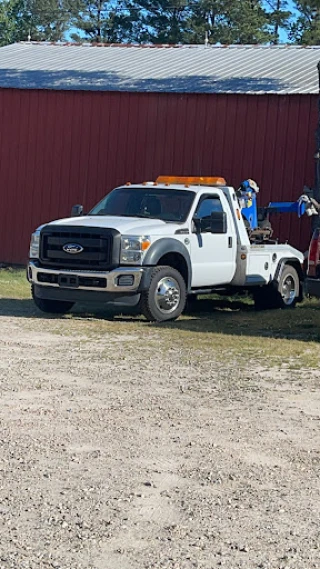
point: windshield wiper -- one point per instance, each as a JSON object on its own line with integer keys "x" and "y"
{"x": 136, "y": 215}
{"x": 140, "y": 216}
{"x": 114, "y": 214}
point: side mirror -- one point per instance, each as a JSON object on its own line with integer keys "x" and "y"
{"x": 76, "y": 210}
{"x": 218, "y": 222}
{"x": 214, "y": 223}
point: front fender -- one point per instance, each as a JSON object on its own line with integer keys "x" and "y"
{"x": 165, "y": 246}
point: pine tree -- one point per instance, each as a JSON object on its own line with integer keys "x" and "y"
{"x": 306, "y": 28}
{"x": 7, "y": 23}
{"x": 38, "y": 19}
{"x": 103, "y": 21}
{"x": 159, "y": 21}
{"x": 229, "y": 22}
{"x": 279, "y": 17}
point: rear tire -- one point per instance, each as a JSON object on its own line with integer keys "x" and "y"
{"x": 281, "y": 294}
{"x": 51, "y": 306}
{"x": 166, "y": 296}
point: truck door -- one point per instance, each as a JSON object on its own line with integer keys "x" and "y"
{"x": 213, "y": 254}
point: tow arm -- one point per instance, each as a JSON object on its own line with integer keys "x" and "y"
{"x": 257, "y": 218}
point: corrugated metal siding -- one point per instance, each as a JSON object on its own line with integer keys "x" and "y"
{"x": 62, "y": 148}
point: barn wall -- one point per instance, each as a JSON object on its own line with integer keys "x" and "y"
{"x": 61, "y": 148}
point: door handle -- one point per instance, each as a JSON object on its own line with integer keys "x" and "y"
{"x": 229, "y": 242}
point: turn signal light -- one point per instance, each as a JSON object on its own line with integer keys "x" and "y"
{"x": 192, "y": 180}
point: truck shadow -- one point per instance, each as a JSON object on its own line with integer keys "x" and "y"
{"x": 237, "y": 318}
{"x": 217, "y": 316}
{"x": 25, "y": 308}
{"x": 20, "y": 308}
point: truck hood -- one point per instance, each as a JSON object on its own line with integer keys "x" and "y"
{"x": 125, "y": 225}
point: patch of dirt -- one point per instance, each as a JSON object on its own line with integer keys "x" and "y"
{"x": 120, "y": 455}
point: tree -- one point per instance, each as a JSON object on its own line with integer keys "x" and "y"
{"x": 102, "y": 21}
{"x": 159, "y": 21}
{"x": 229, "y": 22}
{"x": 140, "y": 21}
{"x": 306, "y": 28}
{"x": 35, "y": 19}
{"x": 7, "y": 23}
{"x": 279, "y": 17}
{"x": 46, "y": 19}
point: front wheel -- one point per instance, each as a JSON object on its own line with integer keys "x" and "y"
{"x": 281, "y": 294}
{"x": 51, "y": 306}
{"x": 166, "y": 296}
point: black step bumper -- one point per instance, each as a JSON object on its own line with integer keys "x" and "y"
{"x": 312, "y": 287}
{"x": 76, "y": 295}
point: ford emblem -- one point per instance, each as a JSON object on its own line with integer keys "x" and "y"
{"x": 72, "y": 248}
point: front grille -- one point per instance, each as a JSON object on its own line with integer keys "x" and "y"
{"x": 99, "y": 247}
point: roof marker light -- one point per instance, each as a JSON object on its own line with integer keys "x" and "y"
{"x": 192, "y": 180}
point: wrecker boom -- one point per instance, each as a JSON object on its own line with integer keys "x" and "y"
{"x": 257, "y": 218}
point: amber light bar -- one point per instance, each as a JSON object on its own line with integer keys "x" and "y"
{"x": 192, "y": 180}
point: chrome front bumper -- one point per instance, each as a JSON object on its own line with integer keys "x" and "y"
{"x": 122, "y": 279}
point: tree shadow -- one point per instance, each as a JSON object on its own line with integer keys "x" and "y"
{"x": 99, "y": 80}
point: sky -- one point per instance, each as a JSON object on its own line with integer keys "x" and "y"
{"x": 283, "y": 34}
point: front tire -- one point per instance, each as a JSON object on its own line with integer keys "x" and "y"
{"x": 51, "y": 306}
{"x": 166, "y": 296}
{"x": 281, "y": 294}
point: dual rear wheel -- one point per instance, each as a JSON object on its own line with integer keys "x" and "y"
{"x": 281, "y": 294}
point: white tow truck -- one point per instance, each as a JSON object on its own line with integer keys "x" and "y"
{"x": 155, "y": 244}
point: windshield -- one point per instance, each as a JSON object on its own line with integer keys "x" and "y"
{"x": 154, "y": 203}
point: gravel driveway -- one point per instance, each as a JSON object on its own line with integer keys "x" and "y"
{"x": 121, "y": 449}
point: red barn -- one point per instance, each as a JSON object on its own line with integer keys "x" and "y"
{"x": 78, "y": 120}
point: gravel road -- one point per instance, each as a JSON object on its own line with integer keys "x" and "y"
{"x": 122, "y": 451}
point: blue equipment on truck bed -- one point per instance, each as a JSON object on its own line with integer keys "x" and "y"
{"x": 257, "y": 218}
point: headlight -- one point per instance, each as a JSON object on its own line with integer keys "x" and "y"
{"x": 35, "y": 245}
{"x": 133, "y": 248}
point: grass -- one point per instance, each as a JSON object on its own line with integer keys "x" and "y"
{"x": 229, "y": 328}
{"x": 13, "y": 284}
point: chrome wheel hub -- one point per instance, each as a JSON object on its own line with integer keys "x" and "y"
{"x": 288, "y": 290}
{"x": 167, "y": 295}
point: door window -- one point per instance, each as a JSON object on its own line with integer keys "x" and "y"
{"x": 207, "y": 208}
